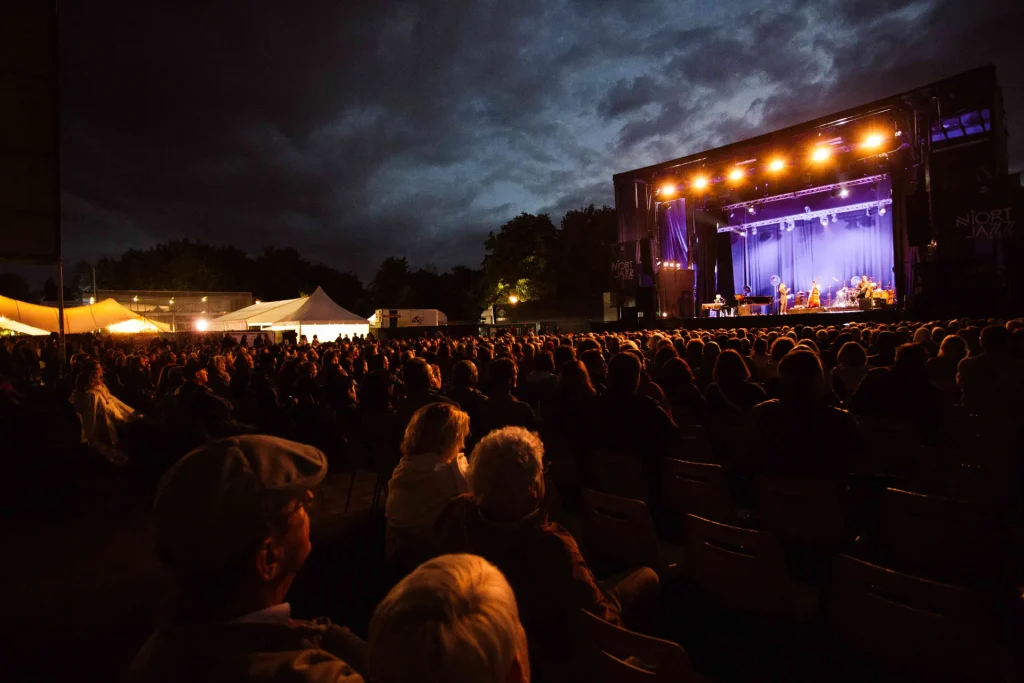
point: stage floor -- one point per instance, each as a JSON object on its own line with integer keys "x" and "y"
{"x": 822, "y": 316}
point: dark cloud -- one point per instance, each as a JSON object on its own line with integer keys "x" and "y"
{"x": 357, "y": 130}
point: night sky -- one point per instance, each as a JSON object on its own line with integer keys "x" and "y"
{"x": 356, "y": 130}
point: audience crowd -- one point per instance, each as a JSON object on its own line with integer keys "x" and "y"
{"x": 480, "y": 445}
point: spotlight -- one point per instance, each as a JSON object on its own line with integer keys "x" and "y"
{"x": 873, "y": 141}
{"x": 202, "y": 325}
{"x": 776, "y": 165}
{"x": 898, "y": 133}
{"x": 824, "y": 221}
{"x": 834, "y": 219}
{"x": 754, "y": 231}
{"x": 807, "y": 209}
{"x": 881, "y": 211}
{"x": 664, "y": 315}
{"x": 820, "y": 154}
{"x": 751, "y": 210}
{"x": 732, "y": 214}
{"x": 700, "y": 182}
{"x": 668, "y": 190}
{"x": 867, "y": 212}
{"x": 135, "y": 298}
{"x": 736, "y": 175}
{"x": 789, "y": 228}
{"x": 844, "y": 193}
{"x": 743, "y": 234}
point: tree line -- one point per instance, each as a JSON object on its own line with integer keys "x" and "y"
{"x": 527, "y": 256}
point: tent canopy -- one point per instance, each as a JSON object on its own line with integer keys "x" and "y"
{"x": 316, "y": 309}
{"x": 109, "y": 315}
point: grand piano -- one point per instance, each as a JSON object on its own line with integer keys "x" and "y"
{"x": 753, "y": 305}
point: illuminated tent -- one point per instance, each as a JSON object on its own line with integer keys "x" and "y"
{"x": 316, "y": 314}
{"x": 108, "y": 315}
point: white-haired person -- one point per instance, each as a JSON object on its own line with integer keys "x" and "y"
{"x": 453, "y": 619}
{"x": 503, "y": 521}
{"x": 430, "y": 473}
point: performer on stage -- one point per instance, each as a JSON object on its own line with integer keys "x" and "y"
{"x": 814, "y": 301}
{"x": 783, "y": 298}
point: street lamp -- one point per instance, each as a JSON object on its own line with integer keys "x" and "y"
{"x": 513, "y": 299}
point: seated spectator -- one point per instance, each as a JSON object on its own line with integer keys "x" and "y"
{"x": 800, "y": 434}
{"x": 101, "y": 414}
{"x": 851, "y": 370}
{"x": 885, "y": 350}
{"x": 232, "y": 528}
{"x": 705, "y": 373}
{"x": 992, "y": 383}
{"x": 902, "y": 392}
{"x": 597, "y": 368}
{"x": 430, "y": 473}
{"x": 419, "y": 391}
{"x": 503, "y": 522}
{"x": 732, "y": 392}
{"x": 688, "y": 406}
{"x": 539, "y": 385}
{"x": 502, "y": 409}
{"x": 463, "y": 389}
{"x": 779, "y": 348}
{"x": 219, "y": 379}
{"x": 453, "y": 619}
{"x": 197, "y": 403}
{"x": 760, "y": 360}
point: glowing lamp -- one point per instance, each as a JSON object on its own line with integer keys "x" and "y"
{"x": 873, "y": 141}
{"x": 776, "y": 165}
{"x": 135, "y": 298}
{"x": 668, "y": 190}
{"x": 202, "y": 325}
{"x": 820, "y": 154}
{"x": 664, "y": 315}
{"x": 844, "y": 193}
{"x": 92, "y": 299}
{"x": 700, "y": 182}
{"x": 735, "y": 175}
{"x": 513, "y": 299}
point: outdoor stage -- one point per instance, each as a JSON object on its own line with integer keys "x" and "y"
{"x": 824, "y": 318}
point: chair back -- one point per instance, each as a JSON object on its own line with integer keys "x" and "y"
{"x": 946, "y": 538}
{"x": 608, "y": 653}
{"x": 744, "y": 570}
{"x": 693, "y": 445}
{"x": 620, "y": 474}
{"x": 808, "y": 512}
{"x": 696, "y": 488}
{"x": 619, "y": 531}
{"x": 910, "y": 624}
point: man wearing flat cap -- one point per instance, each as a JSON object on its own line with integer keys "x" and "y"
{"x": 232, "y": 527}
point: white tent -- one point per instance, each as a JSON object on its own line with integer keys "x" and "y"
{"x": 316, "y": 314}
{"x": 107, "y": 315}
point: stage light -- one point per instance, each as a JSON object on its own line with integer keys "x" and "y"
{"x": 791, "y": 226}
{"x": 743, "y": 234}
{"x": 776, "y": 165}
{"x": 820, "y": 154}
{"x": 898, "y": 133}
{"x": 844, "y": 193}
{"x": 736, "y": 175}
{"x": 873, "y": 141}
{"x": 867, "y": 212}
{"x": 751, "y": 210}
{"x": 202, "y": 325}
{"x": 668, "y": 190}
{"x": 700, "y": 182}
{"x": 824, "y": 221}
{"x": 835, "y": 219}
{"x": 754, "y": 231}
{"x": 881, "y": 211}
{"x": 664, "y": 315}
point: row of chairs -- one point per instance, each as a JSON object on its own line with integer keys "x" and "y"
{"x": 904, "y": 622}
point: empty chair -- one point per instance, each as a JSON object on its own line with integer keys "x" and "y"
{"x": 696, "y": 488}
{"x": 620, "y": 533}
{"x": 608, "y": 653}
{"x": 803, "y": 511}
{"x": 620, "y": 474}
{"x": 745, "y": 570}
{"x": 945, "y": 538}
{"x": 912, "y": 625}
{"x": 693, "y": 444}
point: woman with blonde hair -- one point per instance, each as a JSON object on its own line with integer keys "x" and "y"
{"x": 430, "y": 473}
{"x": 101, "y": 414}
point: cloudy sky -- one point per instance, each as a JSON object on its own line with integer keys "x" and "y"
{"x": 353, "y": 130}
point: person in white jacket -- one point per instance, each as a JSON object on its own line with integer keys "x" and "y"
{"x": 430, "y": 473}
{"x": 100, "y": 412}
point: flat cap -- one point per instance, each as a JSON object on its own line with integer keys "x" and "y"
{"x": 218, "y": 500}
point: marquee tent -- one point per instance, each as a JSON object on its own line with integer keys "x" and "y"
{"x": 316, "y": 314}
{"x": 108, "y": 315}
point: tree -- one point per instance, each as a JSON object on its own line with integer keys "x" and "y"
{"x": 580, "y": 264}
{"x": 392, "y": 286}
{"x": 14, "y": 286}
{"x": 516, "y": 259}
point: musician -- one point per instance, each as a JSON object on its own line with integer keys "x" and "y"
{"x": 783, "y": 298}
{"x": 864, "y": 288}
{"x": 814, "y": 301}
{"x": 746, "y": 290}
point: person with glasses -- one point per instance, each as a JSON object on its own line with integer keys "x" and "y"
{"x": 232, "y": 526}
